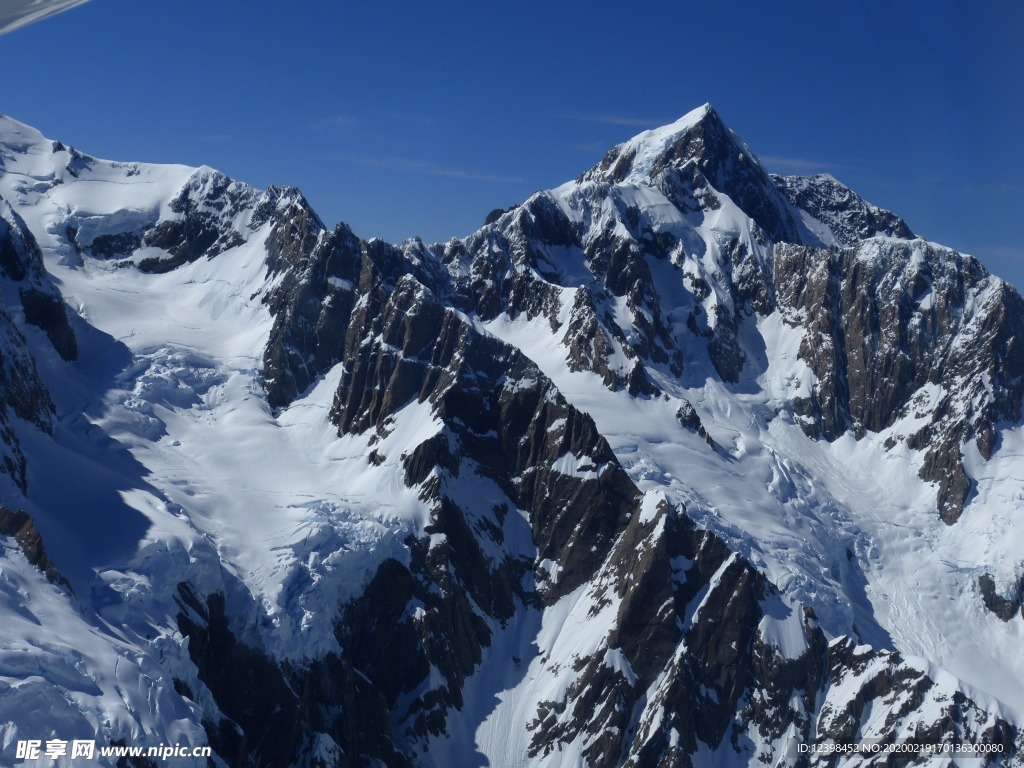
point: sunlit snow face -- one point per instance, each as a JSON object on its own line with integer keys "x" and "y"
{"x": 18, "y": 13}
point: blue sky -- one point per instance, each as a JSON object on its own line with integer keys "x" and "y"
{"x": 406, "y": 118}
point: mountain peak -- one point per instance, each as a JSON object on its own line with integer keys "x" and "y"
{"x": 644, "y": 155}
{"x": 695, "y": 160}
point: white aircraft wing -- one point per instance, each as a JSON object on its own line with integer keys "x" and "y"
{"x": 18, "y": 13}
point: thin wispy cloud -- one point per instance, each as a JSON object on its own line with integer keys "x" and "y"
{"x": 798, "y": 165}
{"x": 406, "y": 165}
{"x": 995, "y": 188}
{"x": 407, "y": 118}
{"x": 606, "y": 119}
{"x": 590, "y": 147}
{"x": 372, "y": 120}
{"x": 1005, "y": 252}
{"x": 217, "y": 138}
{"x": 334, "y": 122}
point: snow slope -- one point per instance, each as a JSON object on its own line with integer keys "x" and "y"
{"x": 166, "y": 464}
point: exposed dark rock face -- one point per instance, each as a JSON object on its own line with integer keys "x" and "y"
{"x": 506, "y": 265}
{"x": 22, "y": 392}
{"x": 77, "y": 162}
{"x": 495, "y": 214}
{"x": 590, "y": 345}
{"x": 906, "y": 328}
{"x": 313, "y": 300}
{"x": 21, "y": 389}
{"x": 500, "y": 414}
{"x": 47, "y": 311}
{"x": 848, "y": 216}
{"x": 21, "y": 526}
{"x": 884, "y": 677}
{"x": 687, "y": 605}
{"x": 520, "y": 263}
{"x": 417, "y": 633}
{"x": 206, "y": 208}
{"x": 21, "y": 262}
{"x": 696, "y": 667}
{"x": 116, "y": 245}
{"x": 687, "y": 416}
{"x": 271, "y": 714}
{"x": 701, "y": 163}
{"x": 1005, "y": 607}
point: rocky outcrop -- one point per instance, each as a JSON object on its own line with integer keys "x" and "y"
{"x": 1007, "y": 606}
{"x": 47, "y": 311}
{"x": 848, "y": 217}
{"x": 687, "y": 416}
{"x": 22, "y": 392}
{"x": 21, "y": 526}
{"x": 501, "y": 416}
{"x": 205, "y": 221}
{"x": 694, "y": 665}
{"x": 898, "y": 329}
{"x": 312, "y": 302}
{"x": 862, "y": 680}
{"x": 688, "y": 611}
{"x": 21, "y": 263}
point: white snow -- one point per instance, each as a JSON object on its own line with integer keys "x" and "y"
{"x": 650, "y": 145}
{"x": 164, "y": 438}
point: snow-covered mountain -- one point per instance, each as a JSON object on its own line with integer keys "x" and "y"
{"x": 680, "y": 463}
